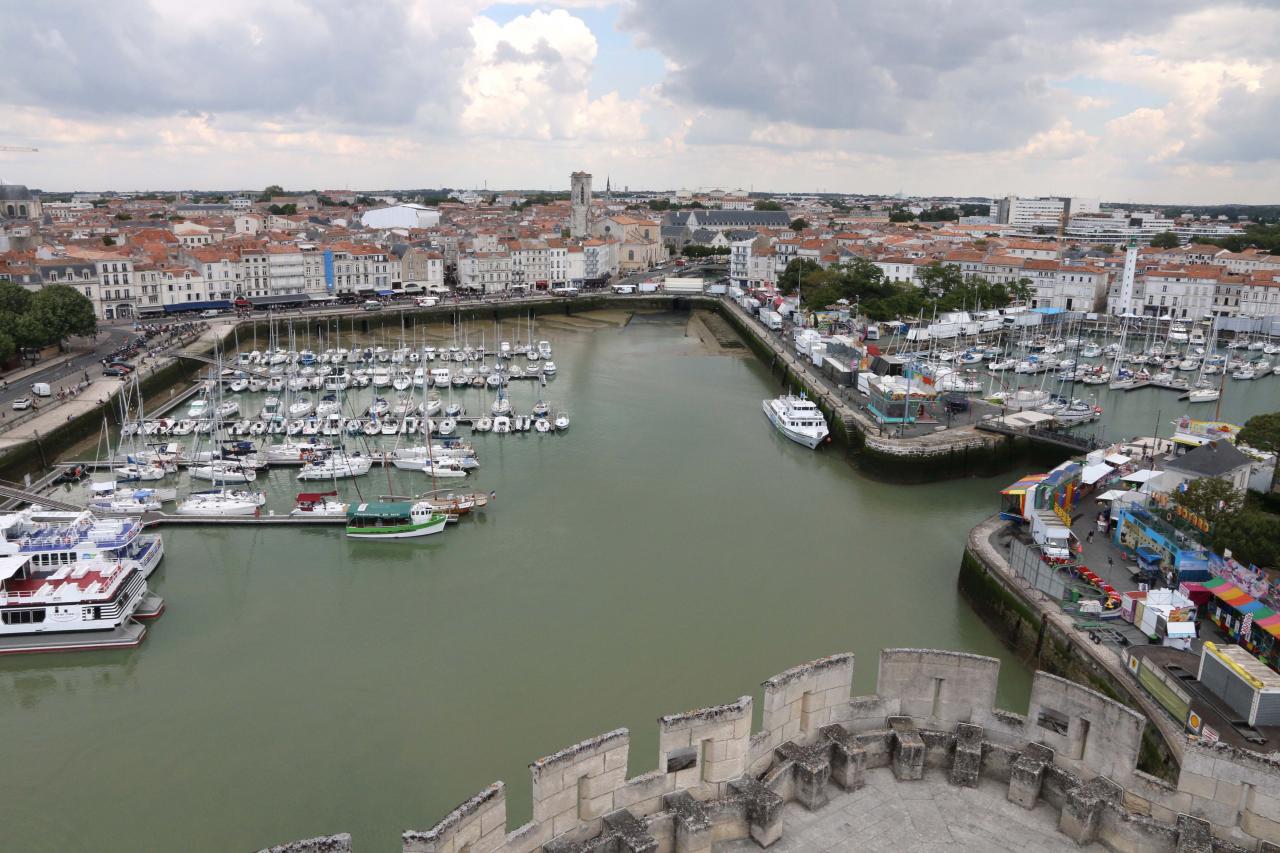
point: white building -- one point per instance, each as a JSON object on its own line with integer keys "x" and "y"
{"x": 599, "y": 259}
{"x": 1042, "y": 215}
{"x": 489, "y": 272}
{"x": 404, "y": 216}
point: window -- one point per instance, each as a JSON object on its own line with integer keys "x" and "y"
{"x": 23, "y": 617}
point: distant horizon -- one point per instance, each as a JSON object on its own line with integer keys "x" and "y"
{"x": 597, "y": 192}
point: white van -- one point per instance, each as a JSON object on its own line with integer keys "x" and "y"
{"x": 624, "y": 288}
{"x": 41, "y": 389}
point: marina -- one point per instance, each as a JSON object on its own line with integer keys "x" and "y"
{"x": 307, "y": 643}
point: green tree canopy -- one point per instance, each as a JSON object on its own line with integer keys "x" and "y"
{"x": 901, "y": 214}
{"x": 14, "y": 298}
{"x": 273, "y": 190}
{"x": 1212, "y": 499}
{"x": 1262, "y": 432}
{"x": 1166, "y": 240}
{"x": 63, "y": 311}
{"x": 799, "y": 224}
{"x": 767, "y": 204}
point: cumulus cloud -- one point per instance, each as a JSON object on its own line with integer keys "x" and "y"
{"x": 529, "y": 78}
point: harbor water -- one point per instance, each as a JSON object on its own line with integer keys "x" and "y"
{"x": 668, "y": 551}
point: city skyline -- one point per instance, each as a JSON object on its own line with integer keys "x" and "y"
{"x": 1159, "y": 103}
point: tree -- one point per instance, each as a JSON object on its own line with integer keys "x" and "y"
{"x": 63, "y": 311}
{"x": 799, "y": 224}
{"x": 155, "y": 216}
{"x": 1253, "y": 536}
{"x": 767, "y": 204}
{"x": 793, "y": 275}
{"x": 1262, "y": 432}
{"x": 1166, "y": 240}
{"x": 108, "y": 241}
{"x": 1171, "y": 212}
{"x": 901, "y": 214}
{"x": 1212, "y": 499}
{"x": 1021, "y": 290}
{"x": 14, "y": 298}
{"x": 123, "y": 217}
{"x": 7, "y": 348}
{"x": 273, "y": 190}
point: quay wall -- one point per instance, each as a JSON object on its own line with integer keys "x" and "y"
{"x": 1035, "y": 628}
{"x": 932, "y": 715}
{"x": 34, "y": 456}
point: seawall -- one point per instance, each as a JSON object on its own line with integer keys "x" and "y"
{"x": 1074, "y": 752}
{"x": 1045, "y": 637}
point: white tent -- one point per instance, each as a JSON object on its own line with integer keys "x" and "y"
{"x": 1146, "y": 475}
{"x": 1094, "y": 473}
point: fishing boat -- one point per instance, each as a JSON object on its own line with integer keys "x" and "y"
{"x": 797, "y": 418}
{"x": 394, "y": 520}
{"x": 319, "y": 504}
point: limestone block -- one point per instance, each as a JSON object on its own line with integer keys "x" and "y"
{"x": 764, "y": 810}
{"x": 1266, "y": 805}
{"x": 559, "y": 803}
{"x": 908, "y": 750}
{"x": 1196, "y": 785}
{"x": 722, "y": 771}
{"x": 966, "y": 761}
{"x": 1082, "y": 813}
{"x": 847, "y": 757}
{"x": 648, "y": 786}
{"x": 590, "y": 809}
{"x": 615, "y": 758}
{"x": 1026, "y": 776}
{"x": 606, "y": 782}
{"x": 1258, "y": 826}
{"x": 564, "y": 822}
{"x": 692, "y": 824}
{"x": 1194, "y": 835}
{"x": 1268, "y": 847}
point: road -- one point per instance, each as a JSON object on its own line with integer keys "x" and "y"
{"x": 108, "y": 339}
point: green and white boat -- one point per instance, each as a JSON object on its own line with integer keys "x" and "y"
{"x": 394, "y": 520}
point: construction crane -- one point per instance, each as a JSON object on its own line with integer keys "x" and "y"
{"x": 18, "y": 148}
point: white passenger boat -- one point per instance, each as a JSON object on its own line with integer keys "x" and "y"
{"x": 59, "y": 538}
{"x": 797, "y": 418}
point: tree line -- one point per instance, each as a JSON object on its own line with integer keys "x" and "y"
{"x": 943, "y": 287}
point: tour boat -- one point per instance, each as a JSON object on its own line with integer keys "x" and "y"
{"x": 394, "y": 520}
{"x": 797, "y": 418}
{"x": 338, "y": 466}
{"x": 318, "y": 504}
{"x": 219, "y": 502}
{"x": 58, "y": 537}
{"x": 72, "y": 606}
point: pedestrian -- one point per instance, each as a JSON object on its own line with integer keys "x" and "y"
{"x": 1089, "y": 538}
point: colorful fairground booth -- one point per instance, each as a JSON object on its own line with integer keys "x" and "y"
{"x": 1245, "y": 620}
{"x": 898, "y": 399}
{"x": 1055, "y": 492}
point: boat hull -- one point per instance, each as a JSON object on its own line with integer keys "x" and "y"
{"x": 403, "y": 531}
{"x": 809, "y": 440}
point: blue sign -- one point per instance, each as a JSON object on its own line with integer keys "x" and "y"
{"x": 328, "y": 270}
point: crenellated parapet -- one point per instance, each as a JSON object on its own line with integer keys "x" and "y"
{"x": 933, "y": 715}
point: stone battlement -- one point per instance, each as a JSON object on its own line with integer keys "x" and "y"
{"x": 933, "y": 713}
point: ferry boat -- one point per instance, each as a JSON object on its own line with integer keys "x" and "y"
{"x": 394, "y": 520}
{"x": 58, "y": 538}
{"x": 797, "y": 418}
{"x": 69, "y": 606}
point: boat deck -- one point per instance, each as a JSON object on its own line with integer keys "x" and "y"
{"x": 72, "y": 583}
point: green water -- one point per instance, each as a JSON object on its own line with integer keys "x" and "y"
{"x": 670, "y": 551}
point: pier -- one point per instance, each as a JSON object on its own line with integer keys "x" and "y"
{"x": 1039, "y": 430}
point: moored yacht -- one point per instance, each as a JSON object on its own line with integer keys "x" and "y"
{"x": 797, "y": 418}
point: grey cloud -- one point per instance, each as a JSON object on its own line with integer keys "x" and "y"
{"x": 936, "y": 73}
{"x": 320, "y": 60}
{"x": 1244, "y": 127}
{"x": 542, "y": 53}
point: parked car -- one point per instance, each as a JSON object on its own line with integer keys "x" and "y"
{"x": 21, "y": 403}
{"x": 116, "y": 370}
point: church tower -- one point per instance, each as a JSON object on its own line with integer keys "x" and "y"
{"x": 580, "y": 204}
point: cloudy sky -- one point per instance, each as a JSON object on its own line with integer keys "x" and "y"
{"x": 1168, "y": 101}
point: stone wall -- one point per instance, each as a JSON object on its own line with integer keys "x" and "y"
{"x": 933, "y": 713}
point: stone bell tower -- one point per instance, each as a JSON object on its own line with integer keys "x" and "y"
{"x": 580, "y": 204}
